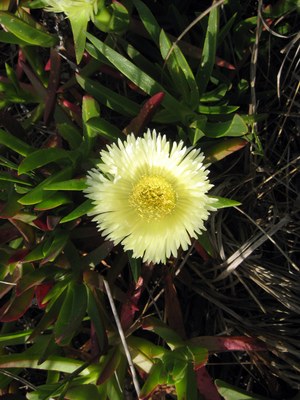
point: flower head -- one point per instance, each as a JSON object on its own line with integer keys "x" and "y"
{"x": 150, "y": 195}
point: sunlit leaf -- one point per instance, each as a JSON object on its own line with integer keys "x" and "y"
{"x": 26, "y": 32}
{"x": 222, "y": 202}
{"x": 208, "y": 56}
{"x": 43, "y": 157}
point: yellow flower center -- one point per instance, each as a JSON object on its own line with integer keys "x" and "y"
{"x": 153, "y": 197}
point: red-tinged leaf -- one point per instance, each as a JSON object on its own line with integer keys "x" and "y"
{"x": 224, "y": 64}
{"x": 55, "y": 61}
{"x": 10, "y": 278}
{"x": 18, "y": 256}
{"x": 41, "y": 224}
{"x": 36, "y": 277}
{"x": 25, "y": 230}
{"x": 48, "y": 65}
{"x": 223, "y": 149}
{"x": 217, "y": 344}
{"x": 19, "y": 68}
{"x": 35, "y": 80}
{"x": 129, "y": 308}
{"x": 8, "y": 233}
{"x": 52, "y": 221}
{"x": 98, "y": 334}
{"x": 200, "y": 250}
{"x": 172, "y": 306}
{"x": 51, "y": 313}
{"x": 138, "y": 124}
{"x": 73, "y": 110}
{"x": 16, "y": 306}
{"x": 40, "y": 293}
{"x": 46, "y": 224}
{"x": 206, "y": 386}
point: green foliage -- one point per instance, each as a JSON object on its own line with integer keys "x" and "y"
{"x": 53, "y": 260}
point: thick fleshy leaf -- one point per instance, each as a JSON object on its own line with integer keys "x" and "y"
{"x": 140, "y": 78}
{"x": 230, "y": 392}
{"x": 26, "y": 32}
{"x": 157, "y": 376}
{"x": 180, "y": 71}
{"x": 217, "y": 110}
{"x": 43, "y": 157}
{"x": 108, "y": 97}
{"x": 222, "y": 202}
{"x": 206, "y": 386}
{"x": 71, "y": 314}
{"x": 53, "y": 301}
{"x": 139, "y": 123}
{"x": 14, "y": 143}
{"x": 94, "y": 313}
{"x": 217, "y": 344}
{"x": 81, "y": 210}
{"x": 53, "y": 82}
{"x": 40, "y": 293}
{"x": 68, "y": 131}
{"x": 82, "y": 392}
{"x": 5, "y": 176}
{"x": 208, "y": 56}
{"x": 54, "y": 363}
{"x": 8, "y": 37}
{"x": 36, "y": 277}
{"x": 79, "y": 21}
{"x": 90, "y": 110}
{"x": 72, "y": 184}
{"x": 186, "y": 386}
{"x": 16, "y": 306}
{"x": 161, "y": 329}
{"x": 148, "y": 20}
{"x": 234, "y": 127}
{"x": 223, "y": 149}
{"x": 129, "y": 308}
{"x": 111, "y": 362}
{"x": 143, "y": 353}
{"x": 56, "y": 200}
{"x": 38, "y": 194}
{"x": 172, "y": 307}
{"x": 52, "y": 249}
{"x": 25, "y": 230}
{"x": 105, "y": 129}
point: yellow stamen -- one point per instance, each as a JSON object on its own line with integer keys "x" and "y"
{"x": 153, "y": 197}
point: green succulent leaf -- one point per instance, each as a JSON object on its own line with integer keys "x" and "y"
{"x": 222, "y": 202}
{"x": 71, "y": 314}
{"x": 26, "y": 32}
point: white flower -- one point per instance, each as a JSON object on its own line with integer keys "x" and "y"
{"x": 150, "y": 195}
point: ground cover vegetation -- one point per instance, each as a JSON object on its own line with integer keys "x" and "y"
{"x": 211, "y": 315}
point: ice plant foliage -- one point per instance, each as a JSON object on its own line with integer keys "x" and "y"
{"x": 150, "y": 195}
{"x": 73, "y": 7}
